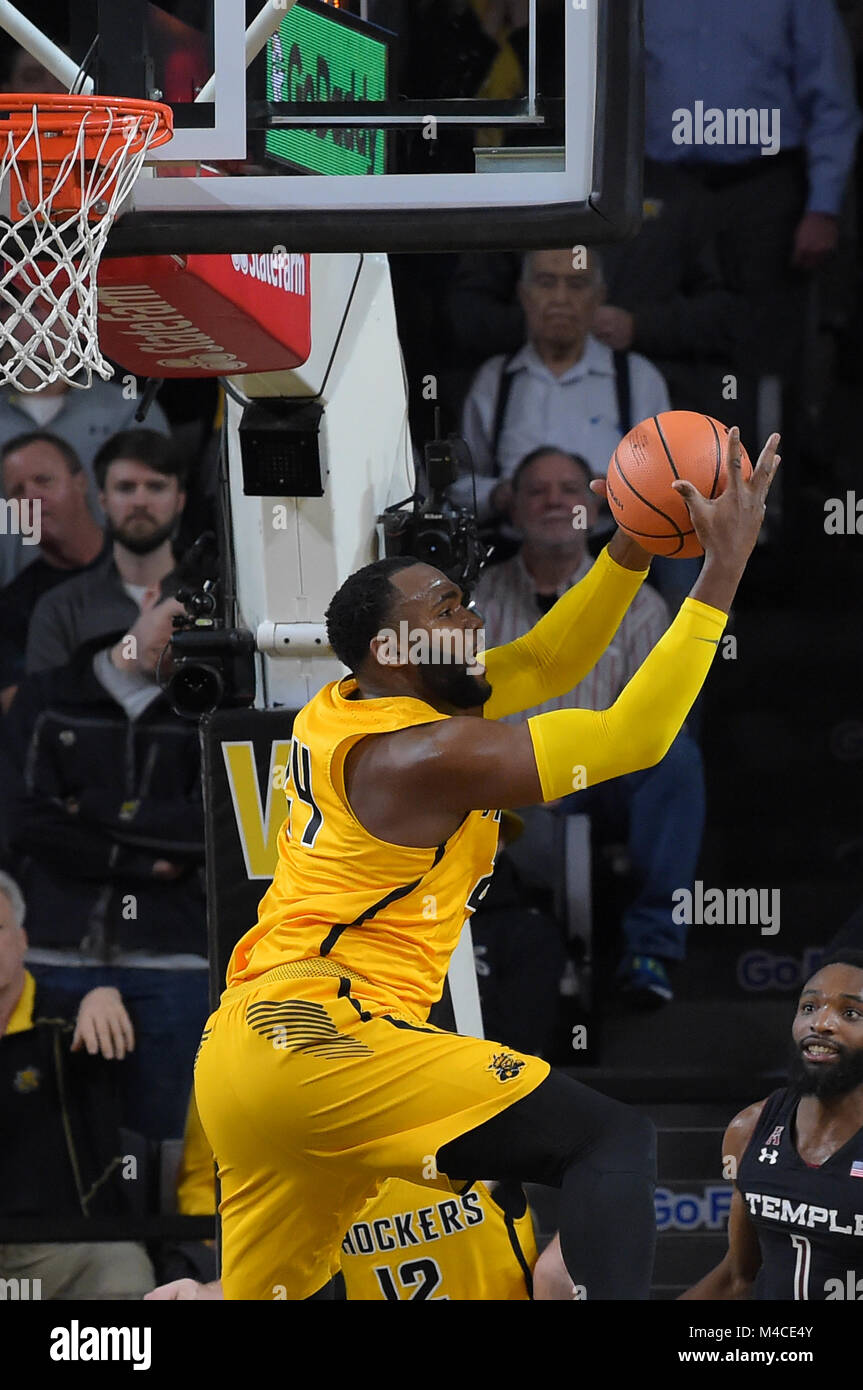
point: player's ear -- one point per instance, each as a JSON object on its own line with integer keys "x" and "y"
{"x": 384, "y": 648}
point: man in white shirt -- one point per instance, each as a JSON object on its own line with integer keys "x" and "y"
{"x": 660, "y": 812}
{"x": 563, "y": 387}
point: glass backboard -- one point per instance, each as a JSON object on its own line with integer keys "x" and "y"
{"x": 374, "y": 125}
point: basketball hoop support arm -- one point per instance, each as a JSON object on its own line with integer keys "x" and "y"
{"x": 262, "y": 27}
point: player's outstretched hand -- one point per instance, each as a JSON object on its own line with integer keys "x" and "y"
{"x": 728, "y": 526}
{"x": 184, "y": 1291}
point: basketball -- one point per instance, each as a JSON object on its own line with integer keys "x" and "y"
{"x": 677, "y": 444}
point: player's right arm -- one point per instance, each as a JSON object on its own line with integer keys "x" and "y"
{"x": 559, "y": 650}
{"x": 735, "y": 1274}
{"x": 414, "y": 786}
{"x": 463, "y": 763}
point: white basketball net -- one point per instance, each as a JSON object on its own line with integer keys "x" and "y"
{"x": 48, "y": 325}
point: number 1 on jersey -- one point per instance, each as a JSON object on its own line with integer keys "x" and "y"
{"x": 803, "y": 1246}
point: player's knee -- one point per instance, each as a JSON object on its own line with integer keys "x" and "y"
{"x": 643, "y": 1143}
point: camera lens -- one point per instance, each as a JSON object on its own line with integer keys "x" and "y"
{"x": 195, "y": 689}
{"x": 434, "y": 547}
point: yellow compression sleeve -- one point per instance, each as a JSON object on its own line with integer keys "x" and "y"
{"x": 565, "y": 644}
{"x": 575, "y": 748}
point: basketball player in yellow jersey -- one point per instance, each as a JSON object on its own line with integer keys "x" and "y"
{"x": 318, "y": 1075}
{"x": 411, "y": 1244}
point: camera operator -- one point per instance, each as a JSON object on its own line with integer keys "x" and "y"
{"x": 106, "y": 832}
{"x": 142, "y": 492}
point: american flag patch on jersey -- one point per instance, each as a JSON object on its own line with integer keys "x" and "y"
{"x": 857, "y": 1169}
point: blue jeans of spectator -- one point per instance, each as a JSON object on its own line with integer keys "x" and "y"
{"x": 661, "y": 811}
{"x": 168, "y": 1009}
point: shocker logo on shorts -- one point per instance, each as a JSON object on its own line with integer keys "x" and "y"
{"x": 505, "y": 1065}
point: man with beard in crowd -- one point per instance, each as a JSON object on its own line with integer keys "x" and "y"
{"x": 795, "y": 1229}
{"x": 142, "y": 492}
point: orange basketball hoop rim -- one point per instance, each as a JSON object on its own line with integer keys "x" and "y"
{"x": 66, "y": 152}
{"x": 67, "y": 165}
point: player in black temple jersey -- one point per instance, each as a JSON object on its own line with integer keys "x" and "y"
{"x": 795, "y": 1229}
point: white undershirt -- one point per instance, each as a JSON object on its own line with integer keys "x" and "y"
{"x": 136, "y": 592}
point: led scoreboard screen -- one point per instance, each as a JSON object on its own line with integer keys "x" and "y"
{"x": 321, "y": 54}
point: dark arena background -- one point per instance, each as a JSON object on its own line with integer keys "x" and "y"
{"x": 423, "y": 333}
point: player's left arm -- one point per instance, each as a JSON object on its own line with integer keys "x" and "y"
{"x": 735, "y": 1274}
{"x": 560, "y": 650}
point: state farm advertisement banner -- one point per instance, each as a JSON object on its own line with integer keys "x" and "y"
{"x": 176, "y": 316}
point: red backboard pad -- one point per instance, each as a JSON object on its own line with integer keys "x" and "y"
{"x": 193, "y": 316}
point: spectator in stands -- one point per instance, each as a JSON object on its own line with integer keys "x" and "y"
{"x": 84, "y": 419}
{"x": 105, "y": 824}
{"x": 562, "y": 386}
{"x": 24, "y": 73}
{"x": 42, "y": 470}
{"x": 458, "y": 50}
{"x": 61, "y": 1155}
{"x": 661, "y": 810}
{"x": 778, "y": 76}
{"x": 791, "y": 60}
{"x": 142, "y": 484}
{"x": 505, "y": 79}
{"x": 664, "y": 298}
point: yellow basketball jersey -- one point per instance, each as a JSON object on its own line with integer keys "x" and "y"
{"x": 384, "y": 913}
{"x": 413, "y": 1243}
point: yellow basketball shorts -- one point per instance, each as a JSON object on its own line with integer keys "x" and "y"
{"x": 309, "y": 1099}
